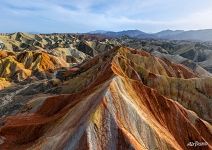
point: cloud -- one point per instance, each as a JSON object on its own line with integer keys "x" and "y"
{"x": 86, "y": 15}
{"x": 201, "y": 19}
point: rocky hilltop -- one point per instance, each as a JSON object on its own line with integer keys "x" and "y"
{"x": 94, "y": 93}
{"x": 195, "y": 55}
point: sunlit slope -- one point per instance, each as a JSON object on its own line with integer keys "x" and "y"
{"x": 129, "y": 100}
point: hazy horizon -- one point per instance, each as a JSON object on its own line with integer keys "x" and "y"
{"x": 31, "y": 32}
{"x": 60, "y": 16}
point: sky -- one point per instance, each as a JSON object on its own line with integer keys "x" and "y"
{"x": 72, "y": 16}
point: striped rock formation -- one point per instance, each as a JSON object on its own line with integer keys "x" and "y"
{"x": 120, "y": 99}
{"x": 20, "y": 66}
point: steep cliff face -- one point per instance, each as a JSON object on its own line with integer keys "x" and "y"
{"x": 128, "y": 100}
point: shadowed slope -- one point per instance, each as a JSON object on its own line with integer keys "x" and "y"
{"x": 125, "y": 107}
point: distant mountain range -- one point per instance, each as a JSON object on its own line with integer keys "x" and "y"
{"x": 199, "y": 35}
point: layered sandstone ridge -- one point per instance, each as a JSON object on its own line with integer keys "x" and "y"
{"x": 128, "y": 100}
{"x": 20, "y": 66}
{"x": 25, "y": 56}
